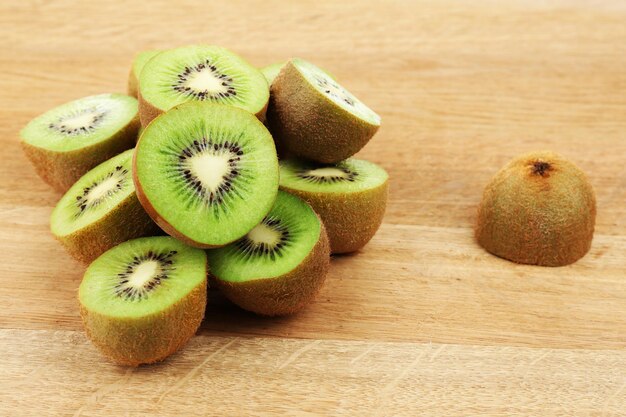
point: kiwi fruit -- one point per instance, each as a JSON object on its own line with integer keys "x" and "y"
{"x": 101, "y": 210}
{"x": 313, "y": 117}
{"x": 200, "y": 73}
{"x": 67, "y": 141}
{"x": 206, "y": 173}
{"x": 271, "y": 71}
{"x": 350, "y": 197}
{"x": 280, "y": 265}
{"x": 540, "y": 209}
{"x": 138, "y": 63}
{"x": 144, "y": 299}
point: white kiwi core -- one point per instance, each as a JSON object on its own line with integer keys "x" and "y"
{"x": 210, "y": 169}
{"x": 144, "y": 273}
{"x": 206, "y": 80}
{"x": 264, "y": 234}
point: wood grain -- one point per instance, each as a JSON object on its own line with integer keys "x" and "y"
{"x": 462, "y": 87}
{"x": 227, "y": 376}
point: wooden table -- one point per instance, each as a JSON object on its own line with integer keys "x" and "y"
{"x": 421, "y": 322}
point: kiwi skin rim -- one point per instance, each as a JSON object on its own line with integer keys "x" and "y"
{"x": 128, "y": 220}
{"x": 133, "y": 84}
{"x": 351, "y": 219}
{"x": 148, "y": 112}
{"x": 61, "y": 170}
{"x": 309, "y": 124}
{"x": 132, "y": 342}
{"x": 160, "y": 221}
{"x": 521, "y": 219}
{"x": 288, "y": 293}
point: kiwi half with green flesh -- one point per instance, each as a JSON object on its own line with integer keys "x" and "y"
{"x": 540, "y": 209}
{"x": 200, "y": 73}
{"x": 101, "y": 210}
{"x": 67, "y": 141}
{"x": 138, "y": 63}
{"x": 280, "y": 265}
{"x": 315, "y": 118}
{"x": 144, "y": 299}
{"x": 271, "y": 71}
{"x": 350, "y": 197}
{"x": 206, "y": 173}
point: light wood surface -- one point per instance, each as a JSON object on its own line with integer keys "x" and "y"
{"x": 421, "y": 322}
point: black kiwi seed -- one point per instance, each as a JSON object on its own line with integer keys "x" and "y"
{"x": 251, "y": 248}
{"x": 307, "y": 175}
{"x": 83, "y": 203}
{"x": 61, "y": 127}
{"x": 228, "y": 150}
{"x": 128, "y": 292}
{"x": 183, "y": 77}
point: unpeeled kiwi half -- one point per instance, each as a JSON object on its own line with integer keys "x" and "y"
{"x": 280, "y": 265}
{"x": 200, "y": 73}
{"x": 138, "y": 63}
{"x": 101, "y": 210}
{"x": 206, "y": 173}
{"x": 539, "y": 209}
{"x": 144, "y": 299}
{"x": 312, "y": 116}
{"x": 67, "y": 141}
{"x": 270, "y": 72}
{"x": 350, "y": 197}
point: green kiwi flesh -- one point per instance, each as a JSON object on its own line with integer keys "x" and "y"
{"x": 67, "y": 141}
{"x": 350, "y": 197}
{"x": 101, "y": 210}
{"x": 200, "y": 73}
{"x": 206, "y": 173}
{"x": 138, "y": 63}
{"x": 271, "y": 71}
{"x": 312, "y": 116}
{"x": 280, "y": 265}
{"x": 539, "y": 209}
{"x": 144, "y": 299}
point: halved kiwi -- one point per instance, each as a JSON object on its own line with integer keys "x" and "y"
{"x": 314, "y": 117}
{"x": 350, "y": 197}
{"x": 200, "y": 73}
{"x": 271, "y": 71}
{"x": 280, "y": 265}
{"x": 67, "y": 141}
{"x": 101, "y": 210}
{"x": 143, "y": 300}
{"x": 539, "y": 209}
{"x": 206, "y": 173}
{"x": 138, "y": 63}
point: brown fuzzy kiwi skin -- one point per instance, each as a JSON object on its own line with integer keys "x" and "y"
{"x": 61, "y": 170}
{"x": 539, "y": 209}
{"x": 126, "y": 221}
{"x": 306, "y": 123}
{"x": 287, "y": 294}
{"x": 145, "y": 340}
{"x": 148, "y": 112}
{"x": 351, "y": 219}
{"x": 133, "y": 84}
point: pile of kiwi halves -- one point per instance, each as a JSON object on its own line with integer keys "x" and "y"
{"x": 208, "y": 170}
